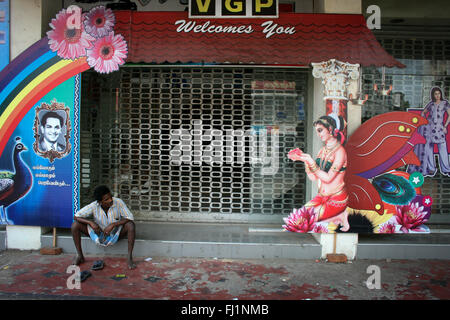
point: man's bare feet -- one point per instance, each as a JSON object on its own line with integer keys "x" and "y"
{"x": 131, "y": 264}
{"x": 78, "y": 260}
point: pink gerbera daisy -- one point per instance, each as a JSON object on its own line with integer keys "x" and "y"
{"x": 99, "y": 22}
{"x": 108, "y": 53}
{"x": 69, "y": 43}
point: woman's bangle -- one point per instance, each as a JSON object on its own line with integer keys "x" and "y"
{"x": 314, "y": 168}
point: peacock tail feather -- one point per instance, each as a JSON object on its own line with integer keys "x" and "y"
{"x": 394, "y": 189}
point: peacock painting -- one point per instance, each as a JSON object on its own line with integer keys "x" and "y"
{"x": 14, "y": 185}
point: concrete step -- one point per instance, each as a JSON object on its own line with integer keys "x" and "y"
{"x": 257, "y": 242}
{"x": 202, "y": 240}
{"x": 435, "y": 245}
{"x": 2, "y": 237}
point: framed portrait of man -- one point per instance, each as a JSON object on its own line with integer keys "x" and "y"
{"x": 52, "y": 131}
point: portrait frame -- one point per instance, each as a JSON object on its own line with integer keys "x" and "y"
{"x": 63, "y": 139}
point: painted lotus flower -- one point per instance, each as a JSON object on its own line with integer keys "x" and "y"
{"x": 300, "y": 220}
{"x": 69, "y": 43}
{"x": 320, "y": 228}
{"x": 387, "y": 228}
{"x": 108, "y": 53}
{"x": 99, "y": 21}
{"x": 411, "y": 217}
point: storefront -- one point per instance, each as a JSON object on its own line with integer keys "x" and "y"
{"x": 182, "y": 83}
{"x": 197, "y": 124}
{"x": 133, "y": 147}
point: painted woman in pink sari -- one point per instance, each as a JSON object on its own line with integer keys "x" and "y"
{"x": 435, "y": 132}
{"x": 328, "y": 169}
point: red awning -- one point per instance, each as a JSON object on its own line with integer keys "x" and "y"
{"x": 153, "y": 38}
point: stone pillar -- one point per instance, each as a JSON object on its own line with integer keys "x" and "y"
{"x": 336, "y": 77}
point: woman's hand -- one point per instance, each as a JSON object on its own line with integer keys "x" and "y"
{"x": 295, "y": 154}
{"x": 299, "y": 155}
{"x": 307, "y": 159}
{"x": 295, "y": 157}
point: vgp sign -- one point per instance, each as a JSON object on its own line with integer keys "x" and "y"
{"x": 233, "y": 8}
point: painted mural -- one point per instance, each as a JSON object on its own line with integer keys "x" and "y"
{"x": 36, "y": 182}
{"x": 39, "y": 110}
{"x": 372, "y": 194}
{"x": 362, "y": 185}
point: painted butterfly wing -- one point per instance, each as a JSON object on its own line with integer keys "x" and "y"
{"x": 362, "y": 195}
{"x": 379, "y": 145}
{"x": 384, "y": 140}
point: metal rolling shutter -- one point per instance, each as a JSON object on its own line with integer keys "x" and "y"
{"x": 130, "y": 148}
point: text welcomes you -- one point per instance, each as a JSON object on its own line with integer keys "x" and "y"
{"x": 270, "y": 28}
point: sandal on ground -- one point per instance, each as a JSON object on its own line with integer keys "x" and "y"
{"x": 98, "y": 265}
{"x": 84, "y": 275}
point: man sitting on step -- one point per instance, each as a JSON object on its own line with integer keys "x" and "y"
{"x": 111, "y": 221}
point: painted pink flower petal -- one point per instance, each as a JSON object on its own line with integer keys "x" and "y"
{"x": 320, "y": 228}
{"x": 99, "y": 22}
{"x": 387, "y": 228}
{"x": 410, "y": 216}
{"x": 300, "y": 220}
{"x": 68, "y": 43}
{"x": 108, "y": 53}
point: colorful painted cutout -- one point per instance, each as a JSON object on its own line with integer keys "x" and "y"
{"x": 51, "y": 61}
{"x": 328, "y": 169}
{"x": 436, "y": 134}
{"x": 380, "y": 199}
{"x": 44, "y": 183}
{"x": 75, "y": 43}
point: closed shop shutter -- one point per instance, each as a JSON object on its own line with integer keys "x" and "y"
{"x": 147, "y": 146}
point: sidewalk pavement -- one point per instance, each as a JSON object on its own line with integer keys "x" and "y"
{"x": 30, "y": 275}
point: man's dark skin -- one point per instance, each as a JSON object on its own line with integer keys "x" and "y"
{"x": 80, "y": 225}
